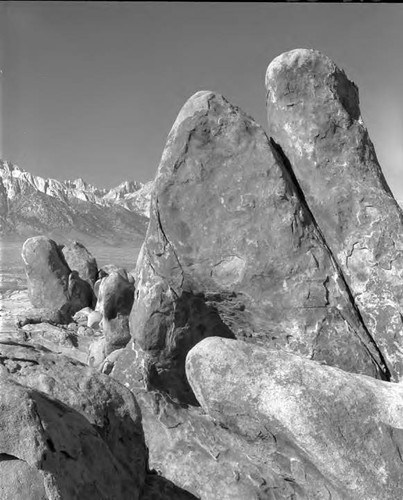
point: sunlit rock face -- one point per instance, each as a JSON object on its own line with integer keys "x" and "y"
{"x": 337, "y": 434}
{"x": 232, "y": 250}
{"x": 47, "y": 272}
{"x": 314, "y": 116}
{"x": 51, "y": 283}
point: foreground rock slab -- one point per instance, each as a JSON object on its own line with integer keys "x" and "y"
{"x": 80, "y": 432}
{"x": 20, "y": 322}
{"x": 347, "y": 427}
{"x": 68, "y": 432}
{"x": 209, "y": 460}
{"x": 231, "y": 250}
{"x": 314, "y": 116}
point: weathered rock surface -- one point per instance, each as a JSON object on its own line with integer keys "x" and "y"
{"x": 80, "y": 293}
{"x": 19, "y": 481}
{"x": 20, "y": 322}
{"x": 211, "y": 461}
{"x": 115, "y": 301}
{"x": 115, "y": 295}
{"x": 314, "y": 115}
{"x": 94, "y": 319}
{"x": 345, "y": 427}
{"x": 117, "y": 332}
{"x": 107, "y": 269}
{"x": 68, "y": 432}
{"x": 47, "y": 273}
{"x": 79, "y": 432}
{"x": 81, "y": 260}
{"x": 115, "y": 336}
{"x": 97, "y": 353}
{"x": 51, "y": 283}
{"x": 231, "y": 250}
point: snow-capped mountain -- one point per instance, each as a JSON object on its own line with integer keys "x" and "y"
{"x": 31, "y": 204}
{"x": 15, "y": 179}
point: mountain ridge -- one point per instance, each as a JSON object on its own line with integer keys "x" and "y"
{"x": 31, "y": 204}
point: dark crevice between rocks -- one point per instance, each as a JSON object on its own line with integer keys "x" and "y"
{"x": 167, "y": 242}
{"x": 193, "y": 321}
{"x": 5, "y": 457}
{"x": 157, "y": 486}
{"x": 369, "y": 343}
{"x": 51, "y": 445}
{"x": 16, "y": 359}
{"x": 20, "y": 344}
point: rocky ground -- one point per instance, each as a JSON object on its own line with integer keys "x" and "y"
{"x": 255, "y": 353}
{"x": 73, "y": 340}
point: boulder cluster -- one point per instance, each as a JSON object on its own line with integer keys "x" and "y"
{"x": 256, "y": 351}
{"x": 66, "y": 287}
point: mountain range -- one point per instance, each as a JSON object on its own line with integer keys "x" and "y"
{"x": 30, "y": 205}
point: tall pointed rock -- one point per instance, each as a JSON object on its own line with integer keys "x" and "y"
{"x": 314, "y": 116}
{"x": 232, "y": 251}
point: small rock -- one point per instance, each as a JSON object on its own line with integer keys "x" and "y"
{"x": 94, "y": 319}
{"x": 82, "y": 315}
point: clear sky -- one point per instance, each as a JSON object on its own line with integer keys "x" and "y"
{"x": 91, "y": 89}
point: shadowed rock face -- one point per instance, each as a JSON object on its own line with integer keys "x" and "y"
{"x": 115, "y": 300}
{"x": 80, "y": 259}
{"x": 314, "y": 115}
{"x": 115, "y": 295}
{"x": 346, "y": 427}
{"x": 231, "y": 250}
{"x": 68, "y": 432}
{"x": 78, "y": 431}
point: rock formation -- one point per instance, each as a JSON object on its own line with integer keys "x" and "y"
{"x": 339, "y": 434}
{"x": 80, "y": 433}
{"x": 211, "y": 460}
{"x": 79, "y": 259}
{"x": 68, "y": 432}
{"x": 265, "y": 319}
{"x": 314, "y": 117}
{"x": 47, "y": 273}
{"x": 232, "y": 250}
{"x": 51, "y": 283}
{"x": 80, "y": 293}
{"x": 115, "y": 295}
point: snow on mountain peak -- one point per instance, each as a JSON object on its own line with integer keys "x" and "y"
{"x": 16, "y": 180}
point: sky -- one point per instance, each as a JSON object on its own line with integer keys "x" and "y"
{"x": 91, "y": 89}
